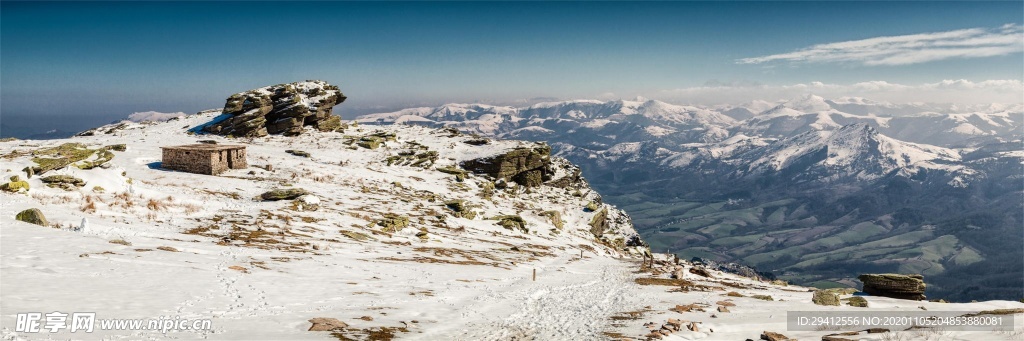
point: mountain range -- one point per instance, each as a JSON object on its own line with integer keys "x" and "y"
{"x": 812, "y": 190}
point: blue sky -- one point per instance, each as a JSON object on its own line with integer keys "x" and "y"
{"x": 106, "y": 60}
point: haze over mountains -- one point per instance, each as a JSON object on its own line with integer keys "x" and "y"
{"x": 813, "y": 190}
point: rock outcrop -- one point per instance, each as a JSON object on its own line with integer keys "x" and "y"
{"x": 907, "y": 287}
{"x": 529, "y": 167}
{"x": 280, "y": 109}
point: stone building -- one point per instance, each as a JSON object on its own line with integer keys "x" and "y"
{"x": 210, "y": 159}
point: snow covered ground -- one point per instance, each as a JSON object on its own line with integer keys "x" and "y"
{"x": 155, "y": 243}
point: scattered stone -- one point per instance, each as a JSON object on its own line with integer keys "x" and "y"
{"x": 726, "y": 304}
{"x": 512, "y": 222}
{"x": 856, "y": 301}
{"x": 592, "y": 206}
{"x": 393, "y": 222}
{"x": 366, "y": 318}
{"x": 692, "y": 327}
{"x": 477, "y": 142}
{"x": 763, "y": 297}
{"x": 723, "y": 309}
{"x": 734, "y": 294}
{"x": 167, "y": 248}
{"x": 325, "y": 324}
{"x": 279, "y": 109}
{"x": 283, "y": 194}
{"x": 825, "y": 297}
{"x": 32, "y": 216}
{"x": 297, "y": 153}
{"x": 876, "y": 330}
{"x": 207, "y": 141}
{"x": 460, "y": 208}
{"x": 770, "y": 336}
{"x": 908, "y": 287}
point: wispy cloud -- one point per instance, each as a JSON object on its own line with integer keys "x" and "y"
{"x": 908, "y": 49}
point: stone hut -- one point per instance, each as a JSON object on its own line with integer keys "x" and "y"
{"x": 210, "y": 159}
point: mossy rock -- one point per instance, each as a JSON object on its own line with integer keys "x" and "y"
{"x": 118, "y": 147}
{"x": 15, "y": 186}
{"x": 283, "y": 194}
{"x": 825, "y": 297}
{"x": 592, "y": 206}
{"x": 856, "y": 301}
{"x": 32, "y": 216}
{"x": 460, "y": 209}
{"x": 393, "y": 222}
{"x": 511, "y": 222}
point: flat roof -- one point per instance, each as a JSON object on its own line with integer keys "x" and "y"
{"x": 205, "y": 146}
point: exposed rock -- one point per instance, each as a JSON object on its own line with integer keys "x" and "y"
{"x": 824, "y": 297}
{"x": 528, "y": 167}
{"x": 771, "y": 336}
{"x": 908, "y": 287}
{"x": 512, "y": 222}
{"x": 16, "y": 185}
{"x": 283, "y": 194}
{"x": 856, "y": 301}
{"x": 297, "y": 153}
{"x": 279, "y": 109}
{"x": 723, "y": 309}
{"x": 700, "y": 271}
{"x": 66, "y": 182}
{"x": 460, "y": 208}
{"x": 839, "y": 336}
{"x": 393, "y": 222}
{"x": 32, "y": 216}
{"x": 599, "y": 223}
{"x": 324, "y": 324}
{"x": 118, "y": 147}
{"x": 763, "y": 297}
{"x": 555, "y": 216}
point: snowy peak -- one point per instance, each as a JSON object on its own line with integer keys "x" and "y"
{"x": 807, "y": 104}
{"x": 852, "y": 150}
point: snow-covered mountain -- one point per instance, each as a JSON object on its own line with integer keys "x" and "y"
{"x": 837, "y": 162}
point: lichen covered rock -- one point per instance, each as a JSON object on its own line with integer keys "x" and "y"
{"x": 283, "y": 194}
{"x": 824, "y": 297}
{"x": 908, "y": 287}
{"x": 32, "y": 216}
{"x": 280, "y": 109}
{"x": 65, "y": 182}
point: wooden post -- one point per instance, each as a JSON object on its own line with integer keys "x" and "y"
{"x": 534, "y": 275}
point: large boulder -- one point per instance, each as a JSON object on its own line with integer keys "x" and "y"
{"x": 32, "y": 216}
{"x": 527, "y": 166}
{"x": 907, "y": 287}
{"x": 280, "y": 109}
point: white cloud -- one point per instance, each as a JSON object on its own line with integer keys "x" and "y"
{"x": 153, "y": 116}
{"x": 947, "y": 91}
{"x": 908, "y": 49}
